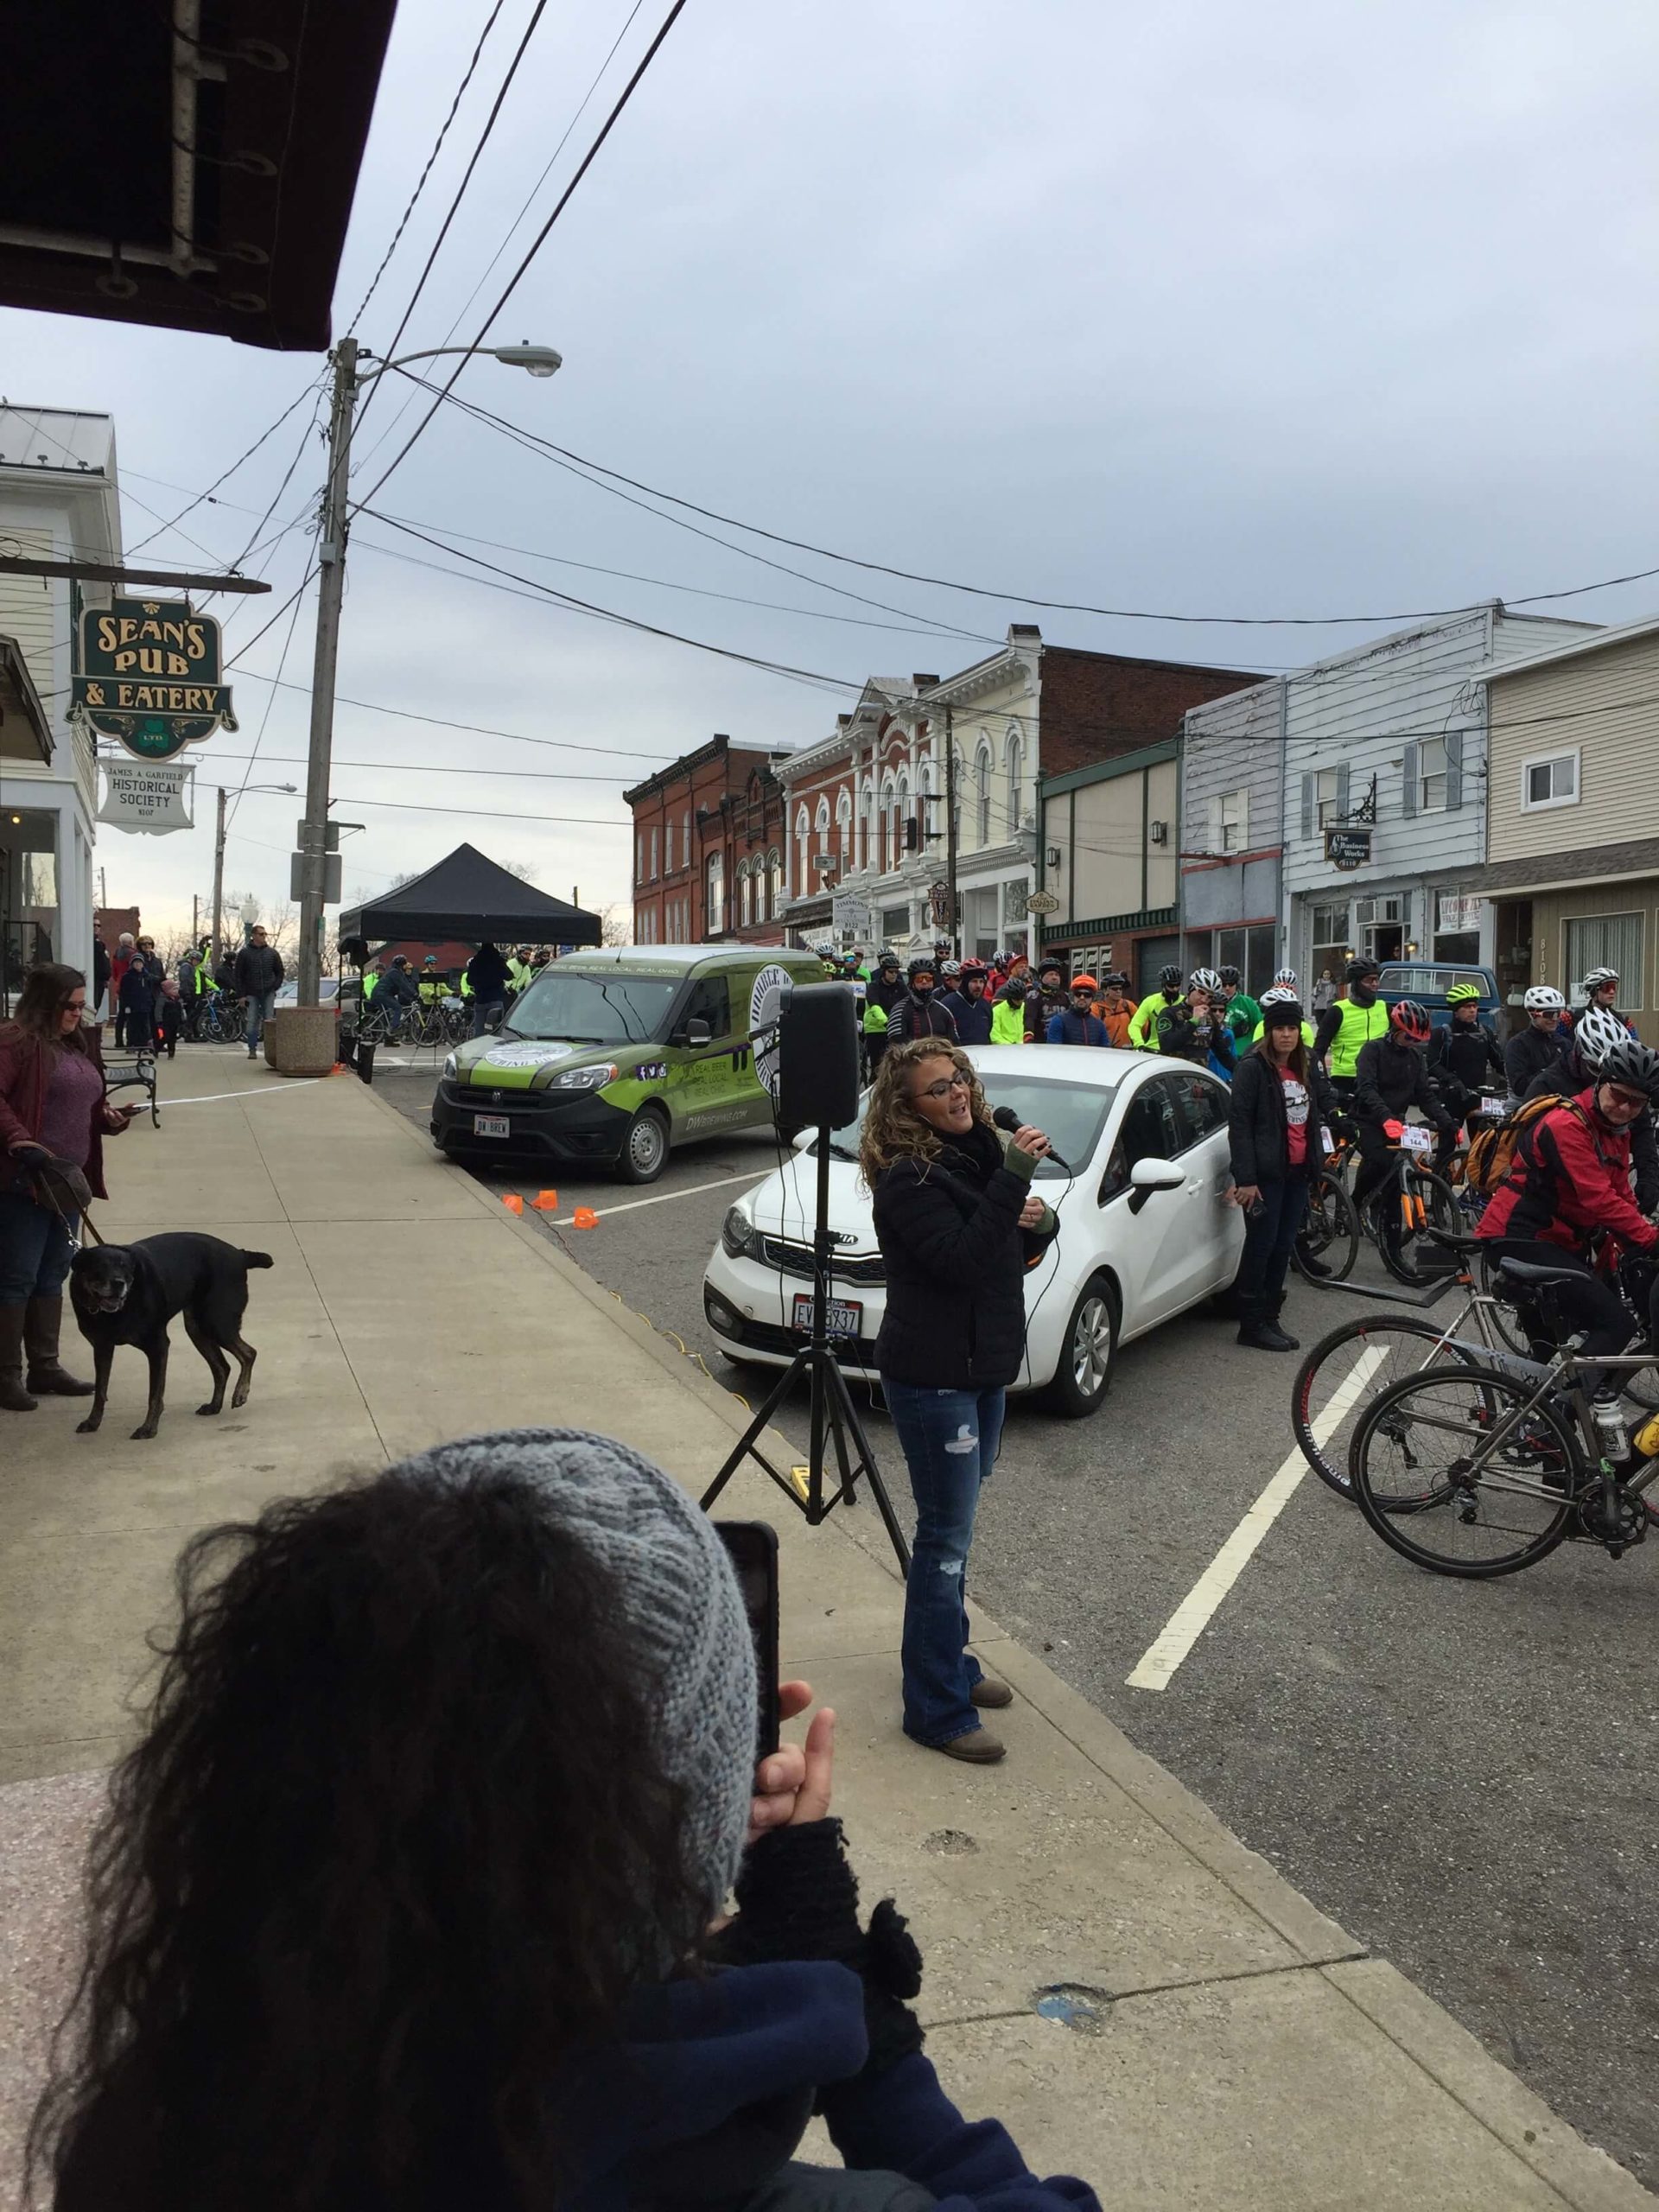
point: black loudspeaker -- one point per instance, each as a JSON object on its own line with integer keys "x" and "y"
{"x": 817, "y": 1056}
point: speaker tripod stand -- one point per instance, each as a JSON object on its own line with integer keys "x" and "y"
{"x": 834, "y": 1419}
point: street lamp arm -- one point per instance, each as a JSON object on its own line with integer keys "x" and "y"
{"x": 539, "y": 361}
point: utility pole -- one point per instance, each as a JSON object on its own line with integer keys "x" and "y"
{"x": 103, "y": 889}
{"x": 219, "y": 880}
{"x": 950, "y": 830}
{"x": 195, "y": 919}
{"x": 331, "y": 560}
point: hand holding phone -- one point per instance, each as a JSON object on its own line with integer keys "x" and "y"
{"x": 752, "y": 1547}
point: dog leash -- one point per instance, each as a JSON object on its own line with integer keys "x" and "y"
{"x": 79, "y": 1217}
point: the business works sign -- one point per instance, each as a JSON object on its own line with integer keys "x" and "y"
{"x": 149, "y": 676}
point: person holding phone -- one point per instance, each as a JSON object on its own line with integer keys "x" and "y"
{"x": 407, "y": 1895}
{"x": 52, "y": 1107}
{"x": 958, "y": 1224}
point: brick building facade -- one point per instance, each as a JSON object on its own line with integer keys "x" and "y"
{"x": 708, "y": 849}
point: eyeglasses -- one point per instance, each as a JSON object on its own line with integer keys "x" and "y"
{"x": 1631, "y": 1101}
{"x": 74, "y": 1005}
{"x": 924, "y": 979}
{"x": 943, "y": 1090}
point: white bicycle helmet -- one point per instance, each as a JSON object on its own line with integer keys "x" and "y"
{"x": 1595, "y": 1034}
{"x": 1597, "y": 976}
{"x": 1281, "y": 995}
{"x": 1204, "y": 979}
{"x": 1544, "y": 998}
{"x": 1285, "y": 975}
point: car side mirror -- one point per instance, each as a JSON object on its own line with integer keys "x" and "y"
{"x": 697, "y": 1032}
{"x": 1149, "y": 1175}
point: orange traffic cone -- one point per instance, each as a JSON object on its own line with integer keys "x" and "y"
{"x": 513, "y": 1202}
{"x": 546, "y": 1202}
{"x": 584, "y": 1217}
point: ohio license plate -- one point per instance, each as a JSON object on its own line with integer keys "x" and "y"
{"x": 492, "y": 1125}
{"x": 844, "y": 1320}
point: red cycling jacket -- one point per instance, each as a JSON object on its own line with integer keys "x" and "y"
{"x": 1571, "y": 1177}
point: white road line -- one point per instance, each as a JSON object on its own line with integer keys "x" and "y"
{"x": 1192, "y": 1616}
{"x": 662, "y": 1197}
{"x": 212, "y": 1098}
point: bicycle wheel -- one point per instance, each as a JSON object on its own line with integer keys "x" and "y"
{"x": 1344, "y": 1371}
{"x": 1458, "y": 1473}
{"x": 1330, "y": 1232}
{"x": 1503, "y": 1315}
{"x": 1412, "y": 1258}
{"x": 236, "y": 1023}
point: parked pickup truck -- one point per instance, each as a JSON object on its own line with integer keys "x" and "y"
{"x": 1428, "y": 982}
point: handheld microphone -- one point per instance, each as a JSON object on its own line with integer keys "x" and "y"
{"x": 1006, "y": 1118}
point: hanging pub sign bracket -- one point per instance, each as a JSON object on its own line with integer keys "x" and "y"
{"x": 149, "y": 676}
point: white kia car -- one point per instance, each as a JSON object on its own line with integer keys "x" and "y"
{"x": 1139, "y": 1178}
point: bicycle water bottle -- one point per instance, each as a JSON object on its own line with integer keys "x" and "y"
{"x": 1611, "y": 1434}
{"x": 1647, "y": 1438}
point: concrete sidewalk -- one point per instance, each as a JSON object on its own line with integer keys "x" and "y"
{"x": 1108, "y": 1970}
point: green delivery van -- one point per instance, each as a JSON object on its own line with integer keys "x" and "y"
{"x": 611, "y": 1059}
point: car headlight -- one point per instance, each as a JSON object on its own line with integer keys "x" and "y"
{"x": 583, "y": 1079}
{"x": 450, "y": 1070}
{"x": 739, "y": 1237}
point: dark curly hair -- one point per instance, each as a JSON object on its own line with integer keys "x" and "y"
{"x": 397, "y": 1837}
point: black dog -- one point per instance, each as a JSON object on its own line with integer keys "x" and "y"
{"x": 128, "y": 1293}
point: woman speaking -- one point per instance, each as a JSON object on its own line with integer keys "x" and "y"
{"x": 958, "y": 1224}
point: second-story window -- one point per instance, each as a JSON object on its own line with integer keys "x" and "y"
{"x": 653, "y": 856}
{"x": 714, "y": 908}
{"x": 1325, "y": 798}
{"x": 1431, "y": 775}
{"x": 1232, "y": 821}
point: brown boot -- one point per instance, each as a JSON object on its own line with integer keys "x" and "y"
{"x": 44, "y": 1317}
{"x": 13, "y": 1399}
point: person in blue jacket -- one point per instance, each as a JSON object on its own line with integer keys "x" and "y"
{"x": 406, "y": 1895}
{"x": 969, "y": 1007}
{"x": 1078, "y": 1023}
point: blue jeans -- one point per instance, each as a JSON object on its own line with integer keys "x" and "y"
{"x": 33, "y": 1251}
{"x": 1268, "y": 1237}
{"x": 949, "y": 1440}
{"x": 482, "y": 1010}
{"x": 259, "y": 1003}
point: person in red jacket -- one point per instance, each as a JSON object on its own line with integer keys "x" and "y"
{"x": 1570, "y": 1183}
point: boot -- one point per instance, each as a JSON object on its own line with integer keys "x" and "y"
{"x": 1287, "y": 1342}
{"x": 1258, "y": 1330}
{"x": 13, "y": 1399}
{"x": 44, "y": 1317}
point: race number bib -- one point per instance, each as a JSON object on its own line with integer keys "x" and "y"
{"x": 1417, "y": 1139}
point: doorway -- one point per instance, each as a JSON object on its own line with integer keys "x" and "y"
{"x": 1384, "y": 940}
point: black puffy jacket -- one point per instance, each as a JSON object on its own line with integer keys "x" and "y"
{"x": 1528, "y": 1056}
{"x": 1466, "y": 1061}
{"x": 948, "y": 1229}
{"x": 912, "y": 1016}
{"x": 1256, "y": 1128}
{"x": 1388, "y": 1078}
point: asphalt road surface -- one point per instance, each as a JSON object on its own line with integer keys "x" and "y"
{"x": 1460, "y": 1773}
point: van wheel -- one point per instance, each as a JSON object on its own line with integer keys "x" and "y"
{"x": 1088, "y": 1352}
{"x": 645, "y": 1153}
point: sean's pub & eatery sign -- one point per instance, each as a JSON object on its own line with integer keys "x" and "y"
{"x": 149, "y": 676}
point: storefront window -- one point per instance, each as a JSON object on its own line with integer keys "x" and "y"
{"x": 29, "y": 921}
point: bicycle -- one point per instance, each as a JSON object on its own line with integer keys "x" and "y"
{"x": 1526, "y": 1464}
{"x": 222, "y": 1020}
{"x": 1335, "y": 1221}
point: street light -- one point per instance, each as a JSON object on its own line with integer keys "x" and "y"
{"x": 537, "y": 361}
{"x": 218, "y": 858}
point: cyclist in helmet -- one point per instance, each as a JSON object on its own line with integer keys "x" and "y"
{"x": 1046, "y": 1001}
{"x": 1600, "y": 995}
{"x": 1114, "y": 1006}
{"x": 1465, "y": 1060}
{"x": 1596, "y": 1035}
{"x": 1009, "y": 1010}
{"x": 1276, "y": 994}
{"x": 1569, "y": 1184}
{"x": 1238, "y": 1009}
{"x": 1538, "y": 1046}
{"x": 887, "y": 984}
{"x": 1353, "y": 1023}
{"x": 1143, "y": 1029}
{"x": 1286, "y": 979}
{"x": 1193, "y": 1030}
{"x": 1391, "y": 1078}
{"x": 920, "y": 1012}
{"x": 965, "y": 1001}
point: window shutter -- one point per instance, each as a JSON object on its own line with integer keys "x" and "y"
{"x": 1307, "y": 806}
{"x": 1453, "y": 768}
{"x": 1341, "y": 791}
{"x": 1409, "y": 795}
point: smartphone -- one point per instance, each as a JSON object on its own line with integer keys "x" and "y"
{"x": 752, "y": 1547}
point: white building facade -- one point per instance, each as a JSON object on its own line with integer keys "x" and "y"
{"x": 59, "y": 500}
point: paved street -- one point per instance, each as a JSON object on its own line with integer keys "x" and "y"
{"x": 1458, "y": 1773}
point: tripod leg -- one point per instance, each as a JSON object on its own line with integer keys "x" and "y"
{"x": 745, "y": 1443}
{"x": 843, "y": 1411}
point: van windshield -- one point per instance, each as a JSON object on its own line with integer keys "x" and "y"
{"x": 578, "y": 1008}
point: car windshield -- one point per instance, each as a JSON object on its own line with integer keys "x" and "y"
{"x": 1070, "y": 1115}
{"x": 614, "y": 1008}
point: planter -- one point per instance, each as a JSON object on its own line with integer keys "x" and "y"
{"x": 301, "y": 1040}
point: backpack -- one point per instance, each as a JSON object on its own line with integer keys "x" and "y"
{"x": 1491, "y": 1155}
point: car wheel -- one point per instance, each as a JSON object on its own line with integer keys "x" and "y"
{"x": 644, "y": 1151}
{"x": 1087, "y": 1352}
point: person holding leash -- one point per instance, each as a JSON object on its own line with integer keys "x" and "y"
{"x": 52, "y": 1110}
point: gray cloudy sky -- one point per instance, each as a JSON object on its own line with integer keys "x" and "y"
{"x": 1292, "y": 310}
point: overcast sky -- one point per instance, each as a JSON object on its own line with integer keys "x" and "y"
{"x": 1284, "y": 310}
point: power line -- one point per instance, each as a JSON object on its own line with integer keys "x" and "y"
{"x": 420, "y": 183}
{"x": 225, "y": 475}
{"x": 271, "y": 697}
{"x": 498, "y": 814}
{"x": 441, "y": 768}
{"x": 561, "y": 203}
{"x": 476, "y": 729}
{"x": 467, "y": 177}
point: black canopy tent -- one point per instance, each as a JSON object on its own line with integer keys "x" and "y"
{"x": 469, "y": 898}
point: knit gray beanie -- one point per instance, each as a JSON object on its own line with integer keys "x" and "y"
{"x": 682, "y": 1609}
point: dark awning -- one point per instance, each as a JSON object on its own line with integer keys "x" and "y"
{"x": 1586, "y": 864}
{"x": 470, "y": 896}
{"x": 188, "y": 163}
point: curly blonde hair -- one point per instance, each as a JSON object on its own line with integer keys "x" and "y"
{"x": 892, "y": 1128}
